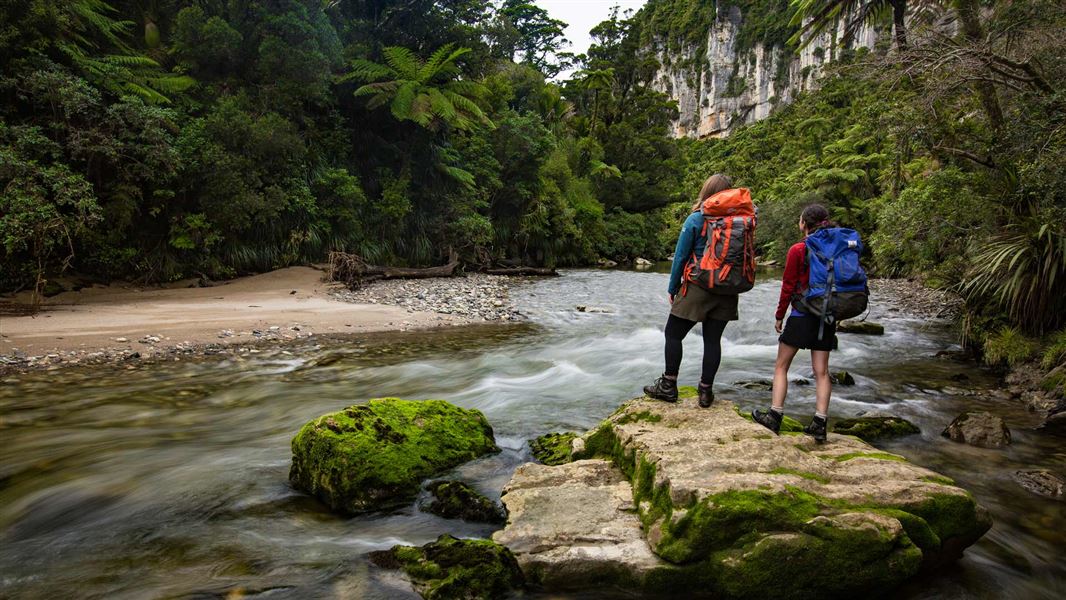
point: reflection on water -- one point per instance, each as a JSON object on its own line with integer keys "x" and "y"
{"x": 171, "y": 480}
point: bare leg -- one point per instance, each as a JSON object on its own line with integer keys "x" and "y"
{"x": 785, "y": 354}
{"x": 823, "y": 384}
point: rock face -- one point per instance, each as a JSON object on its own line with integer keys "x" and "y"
{"x": 861, "y": 328}
{"x": 731, "y": 75}
{"x": 981, "y": 429}
{"x": 456, "y": 500}
{"x": 724, "y": 508}
{"x": 374, "y": 455}
{"x": 450, "y": 568}
{"x": 553, "y": 448}
{"x": 872, "y": 428}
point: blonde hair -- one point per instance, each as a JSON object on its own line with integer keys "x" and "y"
{"x": 714, "y": 184}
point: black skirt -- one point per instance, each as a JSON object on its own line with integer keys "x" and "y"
{"x": 802, "y": 332}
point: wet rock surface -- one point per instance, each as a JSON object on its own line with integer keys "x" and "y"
{"x": 861, "y": 328}
{"x": 457, "y": 500}
{"x": 1042, "y": 482}
{"x": 375, "y": 455}
{"x": 721, "y": 503}
{"x": 478, "y": 296}
{"x": 553, "y": 448}
{"x": 981, "y": 429}
{"x": 455, "y": 569}
{"x": 874, "y": 427}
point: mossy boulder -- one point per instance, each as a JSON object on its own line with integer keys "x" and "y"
{"x": 374, "y": 455}
{"x": 981, "y": 429}
{"x": 873, "y": 428}
{"x": 451, "y": 568}
{"x": 861, "y": 328}
{"x": 842, "y": 378}
{"x": 730, "y": 510}
{"x": 553, "y": 448}
{"x": 456, "y": 500}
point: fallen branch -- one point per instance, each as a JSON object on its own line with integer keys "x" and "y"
{"x": 353, "y": 271}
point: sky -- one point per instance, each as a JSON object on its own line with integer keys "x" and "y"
{"x": 583, "y": 15}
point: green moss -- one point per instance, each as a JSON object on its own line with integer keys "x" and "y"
{"x": 644, "y": 415}
{"x": 871, "y": 428}
{"x": 939, "y": 479}
{"x": 952, "y": 516}
{"x": 369, "y": 456}
{"x": 687, "y": 391}
{"x": 453, "y": 568}
{"x": 553, "y": 448}
{"x": 877, "y": 455}
{"x": 811, "y": 476}
{"x": 456, "y": 500}
{"x": 788, "y": 424}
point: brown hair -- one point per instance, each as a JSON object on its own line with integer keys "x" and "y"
{"x": 714, "y": 184}
{"x": 815, "y": 216}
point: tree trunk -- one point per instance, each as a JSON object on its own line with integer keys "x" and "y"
{"x": 899, "y": 25}
{"x": 973, "y": 31}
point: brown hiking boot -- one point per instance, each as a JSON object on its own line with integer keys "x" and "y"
{"x": 663, "y": 389}
{"x": 706, "y": 396}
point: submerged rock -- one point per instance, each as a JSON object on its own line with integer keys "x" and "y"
{"x": 842, "y": 378}
{"x": 981, "y": 429}
{"x": 456, "y": 500}
{"x": 875, "y": 427}
{"x": 553, "y": 448}
{"x": 729, "y": 510}
{"x": 759, "y": 385}
{"x": 373, "y": 455}
{"x": 451, "y": 568}
{"x": 1042, "y": 482}
{"x": 860, "y": 328}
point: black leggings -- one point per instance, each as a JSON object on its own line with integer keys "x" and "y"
{"x": 676, "y": 330}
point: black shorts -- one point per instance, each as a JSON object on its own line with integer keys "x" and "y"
{"x": 802, "y": 332}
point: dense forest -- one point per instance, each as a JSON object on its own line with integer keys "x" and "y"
{"x": 157, "y": 139}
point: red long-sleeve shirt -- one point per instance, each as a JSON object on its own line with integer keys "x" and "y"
{"x": 795, "y": 278}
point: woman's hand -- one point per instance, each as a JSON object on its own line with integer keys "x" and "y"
{"x": 671, "y": 298}
{"x": 779, "y": 325}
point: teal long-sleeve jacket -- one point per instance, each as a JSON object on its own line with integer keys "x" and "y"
{"x": 691, "y": 241}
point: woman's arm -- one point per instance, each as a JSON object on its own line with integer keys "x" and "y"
{"x": 683, "y": 251}
{"x": 790, "y": 281}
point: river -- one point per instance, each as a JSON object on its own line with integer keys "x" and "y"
{"x": 170, "y": 480}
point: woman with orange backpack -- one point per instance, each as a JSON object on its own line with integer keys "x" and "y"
{"x": 714, "y": 261}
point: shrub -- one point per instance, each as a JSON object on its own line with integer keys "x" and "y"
{"x": 1008, "y": 345}
{"x": 1055, "y": 352}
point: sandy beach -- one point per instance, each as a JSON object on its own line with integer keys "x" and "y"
{"x": 285, "y": 304}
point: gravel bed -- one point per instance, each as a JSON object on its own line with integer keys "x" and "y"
{"x": 476, "y": 296}
{"x": 912, "y": 298}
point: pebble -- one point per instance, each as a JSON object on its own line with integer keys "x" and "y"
{"x": 477, "y": 296}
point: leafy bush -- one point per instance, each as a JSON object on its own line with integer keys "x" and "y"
{"x": 1055, "y": 351}
{"x": 1008, "y": 345}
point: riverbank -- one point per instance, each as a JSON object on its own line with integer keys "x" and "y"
{"x": 125, "y": 323}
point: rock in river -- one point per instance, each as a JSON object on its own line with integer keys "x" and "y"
{"x": 872, "y": 428}
{"x": 451, "y": 568}
{"x": 675, "y": 499}
{"x": 552, "y": 448}
{"x": 1042, "y": 482}
{"x": 374, "y": 455}
{"x": 861, "y": 328}
{"x": 456, "y": 500}
{"x": 981, "y": 429}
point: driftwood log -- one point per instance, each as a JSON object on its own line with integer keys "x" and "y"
{"x": 353, "y": 271}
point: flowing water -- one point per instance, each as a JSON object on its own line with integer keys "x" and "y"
{"x": 170, "y": 480}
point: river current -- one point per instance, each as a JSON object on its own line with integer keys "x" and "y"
{"x": 170, "y": 480}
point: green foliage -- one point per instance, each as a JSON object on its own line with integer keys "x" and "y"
{"x": 1009, "y": 346}
{"x": 1054, "y": 352}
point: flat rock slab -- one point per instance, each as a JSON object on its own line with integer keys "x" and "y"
{"x": 725, "y": 508}
{"x": 575, "y": 524}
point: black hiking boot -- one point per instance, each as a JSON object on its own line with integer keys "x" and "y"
{"x": 706, "y": 396}
{"x": 663, "y": 389}
{"x": 817, "y": 429}
{"x": 770, "y": 419}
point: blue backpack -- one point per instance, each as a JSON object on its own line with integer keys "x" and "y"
{"x": 837, "y": 287}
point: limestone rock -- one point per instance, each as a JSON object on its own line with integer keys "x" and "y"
{"x": 553, "y": 448}
{"x": 642, "y": 262}
{"x": 861, "y": 328}
{"x": 574, "y": 524}
{"x": 874, "y": 427}
{"x": 606, "y": 262}
{"x": 759, "y": 385}
{"x": 1042, "y": 482}
{"x": 456, "y": 500}
{"x": 723, "y": 505}
{"x": 374, "y": 455}
{"x": 980, "y": 429}
{"x": 451, "y": 568}
{"x": 842, "y": 378}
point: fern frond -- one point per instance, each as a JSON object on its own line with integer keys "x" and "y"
{"x": 403, "y": 61}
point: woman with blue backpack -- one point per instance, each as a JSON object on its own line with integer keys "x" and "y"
{"x": 824, "y": 283}
{"x": 713, "y": 262}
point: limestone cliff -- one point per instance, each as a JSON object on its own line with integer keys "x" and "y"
{"x": 732, "y": 66}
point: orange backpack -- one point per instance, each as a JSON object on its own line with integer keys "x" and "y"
{"x": 728, "y": 262}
